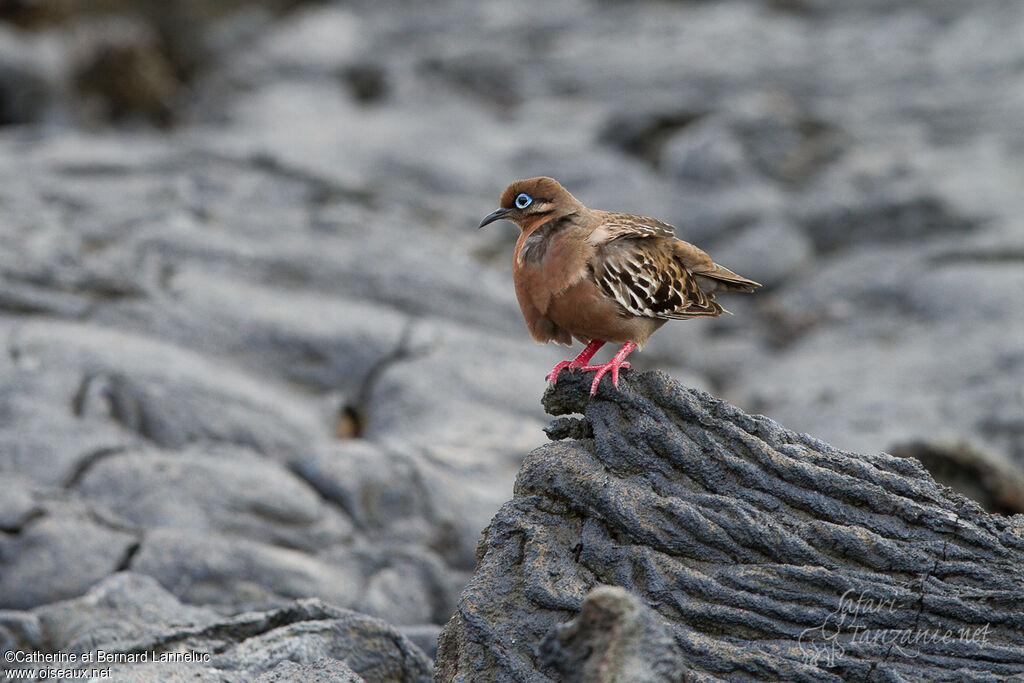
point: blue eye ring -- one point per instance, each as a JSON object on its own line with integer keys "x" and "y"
{"x": 523, "y": 200}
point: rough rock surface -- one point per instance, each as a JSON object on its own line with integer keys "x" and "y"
{"x": 615, "y": 637}
{"x": 763, "y": 553}
{"x": 130, "y": 614}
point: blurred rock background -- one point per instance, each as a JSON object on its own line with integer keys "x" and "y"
{"x": 254, "y": 347}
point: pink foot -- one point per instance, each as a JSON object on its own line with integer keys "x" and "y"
{"x": 553, "y": 375}
{"x": 601, "y": 370}
{"x": 617, "y": 361}
{"x": 577, "y": 362}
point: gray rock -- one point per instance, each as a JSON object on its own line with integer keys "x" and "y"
{"x": 407, "y": 593}
{"x": 59, "y": 554}
{"x": 20, "y": 506}
{"x": 615, "y": 637}
{"x": 372, "y": 649}
{"x": 756, "y": 548}
{"x": 319, "y": 671}
{"x": 123, "y": 608}
{"x": 424, "y": 636}
{"x": 383, "y": 492}
{"x": 221, "y": 570}
{"x": 130, "y": 615}
{"x": 218, "y": 490}
{"x": 399, "y": 501}
{"x": 92, "y": 388}
{"x": 20, "y": 631}
{"x": 171, "y": 672}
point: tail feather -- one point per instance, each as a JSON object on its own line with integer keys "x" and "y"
{"x": 728, "y": 280}
{"x": 709, "y": 273}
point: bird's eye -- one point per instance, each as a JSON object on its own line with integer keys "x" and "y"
{"x": 523, "y": 200}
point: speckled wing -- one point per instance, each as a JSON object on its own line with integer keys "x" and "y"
{"x": 642, "y": 273}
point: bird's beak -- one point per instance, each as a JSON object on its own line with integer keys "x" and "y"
{"x": 495, "y": 216}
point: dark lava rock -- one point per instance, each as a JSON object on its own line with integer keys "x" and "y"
{"x": 742, "y": 551}
{"x": 615, "y": 637}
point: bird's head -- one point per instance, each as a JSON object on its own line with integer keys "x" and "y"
{"x": 533, "y": 201}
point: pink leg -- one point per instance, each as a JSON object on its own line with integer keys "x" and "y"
{"x": 577, "y": 362}
{"x": 617, "y": 361}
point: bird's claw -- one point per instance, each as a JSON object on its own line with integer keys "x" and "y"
{"x": 553, "y": 375}
{"x": 612, "y": 365}
{"x": 571, "y": 364}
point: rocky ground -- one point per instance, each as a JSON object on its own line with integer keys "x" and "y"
{"x": 255, "y": 349}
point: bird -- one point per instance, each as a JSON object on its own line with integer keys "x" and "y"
{"x": 602, "y": 277}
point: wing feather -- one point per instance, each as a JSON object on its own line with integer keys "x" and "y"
{"x": 624, "y": 225}
{"x": 640, "y": 263}
{"x": 645, "y": 278}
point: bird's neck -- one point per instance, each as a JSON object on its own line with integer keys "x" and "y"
{"x": 535, "y": 222}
